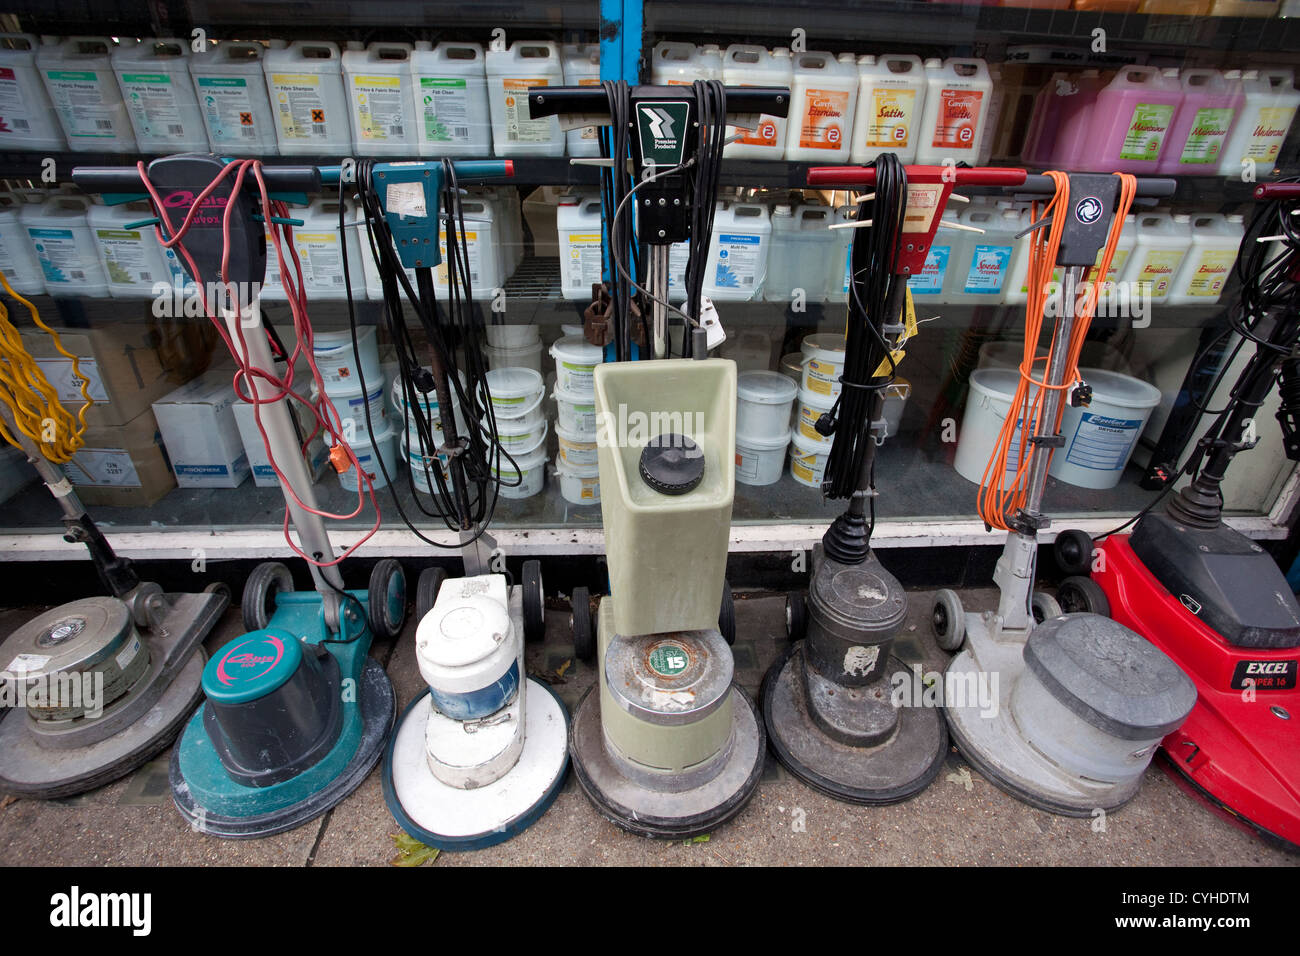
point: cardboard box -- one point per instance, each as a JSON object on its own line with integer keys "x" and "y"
{"x": 316, "y": 456}
{"x": 197, "y": 422}
{"x": 122, "y": 465}
{"x": 130, "y": 364}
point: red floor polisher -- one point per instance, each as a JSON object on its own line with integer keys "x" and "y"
{"x": 1208, "y": 596}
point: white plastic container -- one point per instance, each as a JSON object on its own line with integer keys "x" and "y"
{"x": 1208, "y": 263}
{"x": 838, "y": 261}
{"x": 993, "y": 116}
{"x": 823, "y": 364}
{"x": 517, "y": 394}
{"x": 582, "y": 68}
{"x": 419, "y": 478}
{"x": 510, "y": 75}
{"x": 351, "y": 404}
{"x": 575, "y": 365}
{"x": 1268, "y": 110}
{"x": 1161, "y": 244}
{"x": 760, "y": 460}
{"x": 982, "y": 263}
{"x": 896, "y": 396}
{"x": 506, "y": 336}
{"x": 823, "y": 98}
{"x": 576, "y": 414}
{"x": 132, "y": 259}
{"x": 519, "y": 435}
{"x": 680, "y": 63}
{"x": 745, "y": 64}
{"x": 369, "y": 456}
{"x": 231, "y": 88}
{"x": 78, "y": 75}
{"x": 577, "y": 227}
{"x": 1099, "y": 439}
{"x": 451, "y": 99}
{"x": 486, "y": 266}
{"x": 305, "y": 84}
{"x": 956, "y": 103}
{"x": 891, "y": 100}
{"x": 529, "y": 473}
{"x": 575, "y": 449}
{"x": 763, "y": 403}
{"x": 380, "y": 99}
{"x": 58, "y": 232}
{"x": 811, "y": 406}
{"x": 320, "y": 250}
{"x": 987, "y": 406}
{"x": 807, "y": 460}
{"x": 930, "y": 283}
{"x": 155, "y": 79}
{"x": 801, "y": 244}
{"x": 27, "y": 118}
{"x": 18, "y": 259}
{"x": 737, "y": 263}
{"x": 529, "y": 356}
{"x": 337, "y": 364}
{"x": 579, "y": 486}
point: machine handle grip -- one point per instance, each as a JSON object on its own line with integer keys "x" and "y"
{"x": 108, "y": 180}
{"x": 469, "y": 169}
{"x": 866, "y": 175}
{"x": 1277, "y": 191}
{"x": 1147, "y": 188}
{"x": 591, "y": 100}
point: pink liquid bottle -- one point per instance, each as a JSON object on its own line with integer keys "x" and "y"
{"x": 1212, "y": 101}
{"x": 1043, "y": 122}
{"x": 1076, "y": 100}
{"x": 1130, "y": 121}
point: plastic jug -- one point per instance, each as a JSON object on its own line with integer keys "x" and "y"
{"x": 1208, "y": 263}
{"x": 18, "y": 259}
{"x": 1073, "y": 100}
{"x": 231, "y": 90}
{"x": 796, "y": 259}
{"x": 823, "y": 99}
{"x": 27, "y": 118}
{"x": 745, "y": 64}
{"x": 931, "y": 280}
{"x": 485, "y": 266}
{"x": 1161, "y": 244}
{"x": 154, "y": 75}
{"x": 305, "y": 83}
{"x": 510, "y": 227}
{"x": 737, "y": 263}
{"x": 891, "y": 99}
{"x": 957, "y": 98}
{"x": 1040, "y": 132}
{"x": 993, "y": 118}
{"x": 679, "y": 63}
{"x": 577, "y": 227}
{"x": 78, "y": 75}
{"x": 382, "y": 104}
{"x": 1269, "y": 102}
{"x": 510, "y": 74}
{"x": 321, "y": 251}
{"x": 58, "y": 232}
{"x": 1130, "y": 122}
{"x": 133, "y": 259}
{"x": 981, "y": 264}
{"x": 451, "y": 99}
{"x": 1211, "y": 104}
{"x": 582, "y": 68}
{"x": 837, "y": 278}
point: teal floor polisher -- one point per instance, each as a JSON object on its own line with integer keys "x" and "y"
{"x": 296, "y": 710}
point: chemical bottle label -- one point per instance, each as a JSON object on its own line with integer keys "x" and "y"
{"x": 822, "y": 119}
{"x": 1159, "y": 268}
{"x": 14, "y": 116}
{"x": 1270, "y": 129}
{"x": 154, "y": 108}
{"x": 1146, "y": 131}
{"x": 738, "y": 261}
{"x": 583, "y": 266}
{"x": 1211, "y": 272}
{"x": 475, "y": 256}
{"x": 378, "y": 102}
{"x": 679, "y": 253}
{"x": 1102, "y": 443}
{"x": 107, "y": 467}
{"x": 1205, "y": 140}
{"x": 300, "y": 105}
{"x": 228, "y": 106}
{"x": 126, "y": 257}
{"x": 444, "y": 105}
{"x": 79, "y": 99}
{"x": 988, "y": 269}
{"x": 322, "y": 260}
{"x": 891, "y": 118}
{"x": 59, "y": 255}
{"x": 1116, "y": 264}
{"x": 930, "y": 280}
{"x": 959, "y": 114}
{"x": 520, "y": 126}
{"x": 589, "y": 134}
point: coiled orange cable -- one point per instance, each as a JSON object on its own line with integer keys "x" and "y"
{"x": 999, "y": 501}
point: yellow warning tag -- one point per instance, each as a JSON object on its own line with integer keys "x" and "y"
{"x": 909, "y": 330}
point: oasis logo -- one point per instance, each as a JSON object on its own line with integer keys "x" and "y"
{"x": 1088, "y": 210}
{"x": 76, "y": 909}
{"x": 184, "y": 198}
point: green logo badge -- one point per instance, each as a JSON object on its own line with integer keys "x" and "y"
{"x": 668, "y": 660}
{"x": 662, "y": 126}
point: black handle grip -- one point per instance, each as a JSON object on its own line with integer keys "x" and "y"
{"x": 1147, "y": 188}
{"x": 126, "y": 179}
{"x": 591, "y": 100}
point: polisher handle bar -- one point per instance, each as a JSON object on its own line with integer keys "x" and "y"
{"x": 855, "y": 176}
{"x": 126, "y": 179}
{"x": 1147, "y": 188}
{"x": 469, "y": 169}
{"x": 592, "y": 100}
{"x": 1277, "y": 191}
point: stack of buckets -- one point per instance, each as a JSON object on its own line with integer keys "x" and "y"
{"x": 764, "y": 401}
{"x": 336, "y": 361}
{"x": 517, "y": 395}
{"x": 422, "y": 469}
{"x": 575, "y": 423}
{"x": 822, "y": 363}
{"x": 514, "y": 346}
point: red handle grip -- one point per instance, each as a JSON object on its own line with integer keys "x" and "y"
{"x": 866, "y": 175}
{"x": 1277, "y": 191}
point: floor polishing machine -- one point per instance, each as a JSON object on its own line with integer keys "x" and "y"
{"x": 296, "y": 710}
{"x": 482, "y": 752}
{"x": 104, "y": 683}
{"x": 666, "y": 744}
{"x": 1065, "y": 712}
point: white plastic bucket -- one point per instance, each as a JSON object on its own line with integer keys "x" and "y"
{"x": 531, "y": 473}
{"x": 576, "y": 449}
{"x": 386, "y": 442}
{"x": 576, "y": 413}
{"x": 896, "y": 396}
{"x": 811, "y": 406}
{"x": 792, "y": 367}
{"x": 991, "y": 393}
{"x": 763, "y": 401}
{"x": 759, "y": 460}
{"x": 351, "y": 405}
{"x": 419, "y": 478}
{"x": 518, "y": 435}
{"x": 513, "y": 336}
{"x": 578, "y": 486}
{"x": 1099, "y": 439}
{"x": 517, "y": 393}
{"x": 1004, "y": 355}
{"x": 575, "y": 364}
{"x": 530, "y": 356}
{"x": 823, "y": 364}
{"x": 807, "y": 461}
{"x": 338, "y": 366}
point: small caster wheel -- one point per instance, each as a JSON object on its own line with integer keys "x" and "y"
{"x": 427, "y": 587}
{"x": 948, "y": 620}
{"x": 387, "y": 600}
{"x": 584, "y": 640}
{"x": 1044, "y": 607}
{"x": 534, "y": 608}
{"x": 1073, "y": 551}
{"x": 727, "y": 615}
{"x": 796, "y": 615}
{"x": 1082, "y": 594}
{"x": 221, "y": 588}
{"x": 257, "y": 604}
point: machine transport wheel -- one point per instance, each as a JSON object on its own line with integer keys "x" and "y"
{"x": 796, "y": 615}
{"x": 426, "y": 590}
{"x": 1073, "y": 551}
{"x": 1044, "y": 607}
{"x": 534, "y": 608}
{"x": 1079, "y": 593}
{"x": 948, "y": 620}
{"x": 387, "y": 600}
{"x": 219, "y": 587}
{"x": 584, "y": 639}
{"x": 727, "y": 614}
{"x": 268, "y": 579}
